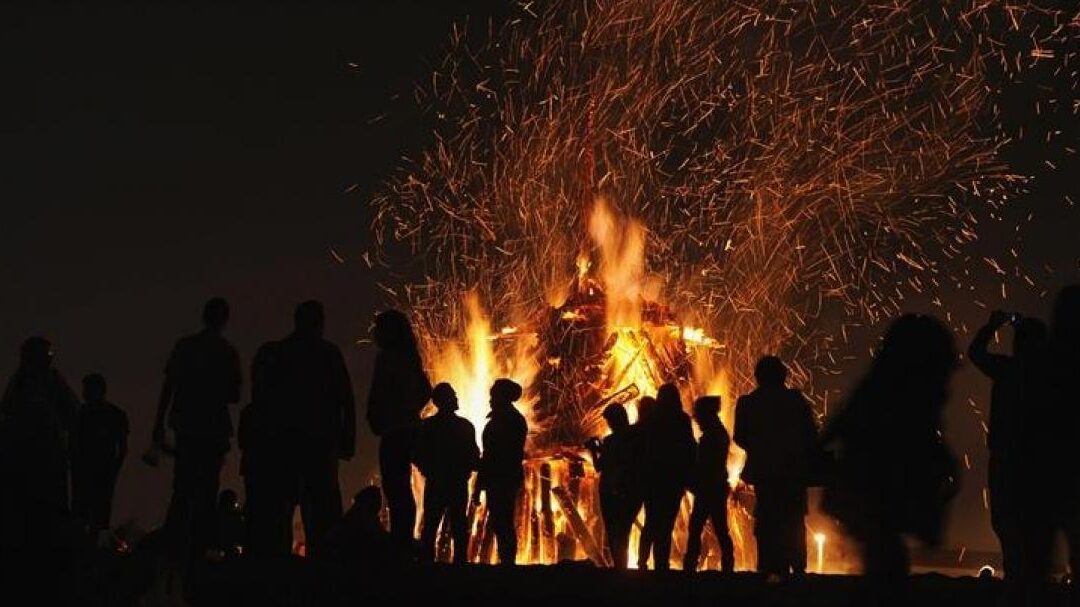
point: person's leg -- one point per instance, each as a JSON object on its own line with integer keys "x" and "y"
{"x": 456, "y": 514}
{"x": 503, "y": 501}
{"x": 435, "y": 504}
{"x": 698, "y": 516}
{"x": 619, "y": 535}
{"x": 795, "y": 533}
{"x": 764, "y": 529}
{"x": 320, "y": 502}
{"x": 645, "y": 539}
{"x": 718, "y": 513}
{"x": 395, "y": 466}
{"x": 102, "y": 499}
{"x": 209, "y": 461}
{"x": 668, "y": 508}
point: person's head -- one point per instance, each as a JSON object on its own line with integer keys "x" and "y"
{"x": 707, "y": 411}
{"x": 215, "y": 313}
{"x": 917, "y": 354}
{"x": 309, "y": 319}
{"x": 444, "y": 397}
{"x": 392, "y": 331}
{"x": 93, "y": 388}
{"x": 1066, "y": 320}
{"x": 770, "y": 372}
{"x": 1029, "y": 335}
{"x": 646, "y": 406}
{"x": 504, "y": 392}
{"x": 35, "y": 354}
{"x": 616, "y": 418}
{"x": 668, "y": 399}
{"x": 367, "y": 503}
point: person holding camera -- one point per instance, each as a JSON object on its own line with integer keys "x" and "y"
{"x": 1015, "y": 398}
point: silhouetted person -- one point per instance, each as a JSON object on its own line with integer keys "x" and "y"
{"x": 98, "y": 449}
{"x": 202, "y": 378}
{"x": 894, "y": 474}
{"x": 312, "y": 420}
{"x": 501, "y": 473}
{"x": 446, "y": 454}
{"x": 269, "y": 488}
{"x": 620, "y": 493}
{"x": 359, "y": 538}
{"x": 710, "y": 486}
{"x": 646, "y": 406}
{"x": 669, "y": 461}
{"x": 36, "y": 417}
{"x": 1018, "y": 393}
{"x": 775, "y": 426}
{"x": 399, "y": 390}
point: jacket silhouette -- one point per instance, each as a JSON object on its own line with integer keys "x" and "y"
{"x": 310, "y": 394}
{"x": 710, "y": 486}
{"x": 1018, "y": 400}
{"x": 775, "y": 426}
{"x": 98, "y": 449}
{"x": 202, "y": 378}
{"x": 399, "y": 390}
{"x": 669, "y": 451}
{"x": 446, "y": 454}
{"x": 501, "y": 473}
{"x": 615, "y": 458}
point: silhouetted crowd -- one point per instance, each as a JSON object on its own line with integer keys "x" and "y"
{"x": 886, "y": 471}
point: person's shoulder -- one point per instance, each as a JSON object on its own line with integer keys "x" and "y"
{"x": 464, "y": 423}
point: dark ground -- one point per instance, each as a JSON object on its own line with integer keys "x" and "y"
{"x": 304, "y": 583}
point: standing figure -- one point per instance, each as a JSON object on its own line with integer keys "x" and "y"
{"x": 710, "y": 486}
{"x": 669, "y": 460}
{"x": 775, "y": 426}
{"x": 399, "y": 390}
{"x": 646, "y": 406}
{"x": 501, "y": 472}
{"x": 894, "y": 475}
{"x": 37, "y": 413}
{"x": 98, "y": 448}
{"x": 315, "y": 415}
{"x": 613, "y": 458}
{"x": 202, "y": 378}
{"x": 446, "y": 454}
{"x": 1017, "y": 394}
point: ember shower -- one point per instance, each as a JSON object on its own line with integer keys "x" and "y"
{"x": 625, "y": 192}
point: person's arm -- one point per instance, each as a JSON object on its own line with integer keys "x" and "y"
{"x": 740, "y": 431}
{"x": 165, "y": 399}
{"x": 122, "y": 441}
{"x": 346, "y": 405}
{"x": 978, "y": 351}
{"x": 236, "y": 376}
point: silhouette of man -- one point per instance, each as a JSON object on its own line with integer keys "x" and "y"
{"x": 98, "y": 449}
{"x": 646, "y": 406}
{"x": 894, "y": 475}
{"x": 775, "y": 425}
{"x": 202, "y": 378}
{"x": 311, "y": 397}
{"x": 399, "y": 390}
{"x": 620, "y": 494}
{"x": 446, "y": 454}
{"x": 1017, "y": 391}
{"x": 37, "y": 413}
{"x": 668, "y": 464}
{"x": 501, "y": 473}
{"x": 710, "y": 486}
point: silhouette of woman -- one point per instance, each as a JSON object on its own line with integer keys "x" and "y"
{"x": 894, "y": 474}
{"x": 399, "y": 390}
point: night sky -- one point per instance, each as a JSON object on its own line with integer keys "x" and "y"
{"x": 157, "y": 155}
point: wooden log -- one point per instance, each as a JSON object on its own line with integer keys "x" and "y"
{"x": 578, "y": 527}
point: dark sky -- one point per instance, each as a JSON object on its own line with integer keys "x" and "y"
{"x": 159, "y": 154}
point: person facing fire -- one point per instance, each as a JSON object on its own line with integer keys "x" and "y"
{"x": 775, "y": 425}
{"x": 710, "y": 486}
{"x": 501, "y": 473}
{"x": 446, "y": 454}
{"x": 669, "y": 459}
{"x": 399, "y": 390}
{"x": 1018, "y": 391}
{"x": 613, "y": 458}
{"x": 98, "y": 448}
{"x": 646, "y": 406}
